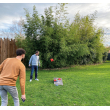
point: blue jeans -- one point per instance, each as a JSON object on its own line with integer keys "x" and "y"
{"x": 4, "y": 97}
{"x": 34, "y": 67}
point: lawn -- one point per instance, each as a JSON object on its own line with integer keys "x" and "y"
{"x": 87, "y": 85}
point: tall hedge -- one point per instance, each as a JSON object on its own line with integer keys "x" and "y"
{"x": 77, "y": 43}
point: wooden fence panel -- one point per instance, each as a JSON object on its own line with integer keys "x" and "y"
{"x": 7, "y": 49}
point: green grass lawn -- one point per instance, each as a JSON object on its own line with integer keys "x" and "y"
{"x": 82, "y": 86}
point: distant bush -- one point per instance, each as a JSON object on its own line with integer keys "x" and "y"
{"x": 68, "y": 44}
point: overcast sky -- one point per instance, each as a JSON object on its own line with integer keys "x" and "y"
{"x": 13, "y": 11}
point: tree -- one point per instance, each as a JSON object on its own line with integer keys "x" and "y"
{"x": 84, "y": 33}
{"x": 68, "y": 44}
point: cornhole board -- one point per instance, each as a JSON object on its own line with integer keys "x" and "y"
{"x": 59, "y": 82}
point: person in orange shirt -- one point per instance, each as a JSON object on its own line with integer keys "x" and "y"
{"x": 10, "y": 69}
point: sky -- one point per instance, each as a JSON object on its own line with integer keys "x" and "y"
{"x": 10, "y": 11}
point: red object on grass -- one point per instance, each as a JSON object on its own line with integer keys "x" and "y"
{"x": 59, "y": 78}
{"x": 51, "y": 60}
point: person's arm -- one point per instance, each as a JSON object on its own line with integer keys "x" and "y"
{"x": 39, "y": 61}
{"x": 1, "y": 66}
{"x": 30, "y": 61}
{"x": 22, "y": 78}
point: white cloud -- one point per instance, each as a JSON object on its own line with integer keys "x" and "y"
{"x": 56, "y": 1}
{"x": 11, "y": 12}
{"x": 102, "y": 16}
{"x": 7, "y": 21}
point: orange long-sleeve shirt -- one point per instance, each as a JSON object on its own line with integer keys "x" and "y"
{"x": 10, "y": 69}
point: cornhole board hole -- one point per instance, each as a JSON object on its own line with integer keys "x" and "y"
{"x": 58, "y": 81}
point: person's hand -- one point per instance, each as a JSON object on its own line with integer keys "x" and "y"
{"x": 23, "y": 97}
{"x": 29, "y": 65}
{"x": 39, "y": 64}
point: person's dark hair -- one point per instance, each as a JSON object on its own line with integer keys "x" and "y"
{"x": 37, "y": 51}
{"x": 20, "y": 51}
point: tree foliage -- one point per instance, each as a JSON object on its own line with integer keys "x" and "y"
{"x": 52, "y": 34}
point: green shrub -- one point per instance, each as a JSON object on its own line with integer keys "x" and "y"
{"x": 68, "y": 44}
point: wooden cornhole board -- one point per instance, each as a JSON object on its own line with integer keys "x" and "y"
{"x": 59, "y": 82}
